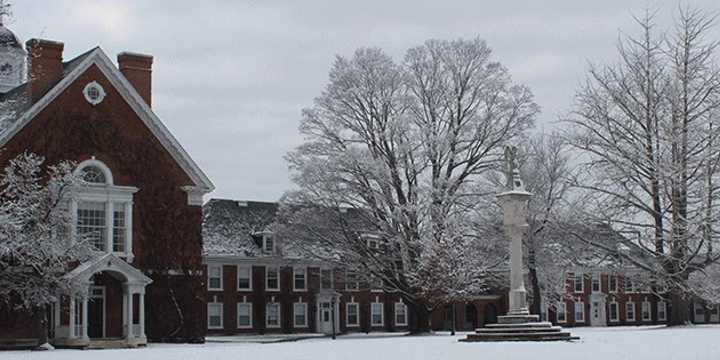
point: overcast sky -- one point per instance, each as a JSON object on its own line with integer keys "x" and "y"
{"x": 231, "y": 77}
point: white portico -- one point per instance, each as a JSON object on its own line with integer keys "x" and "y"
{"x": 91, "y": 307}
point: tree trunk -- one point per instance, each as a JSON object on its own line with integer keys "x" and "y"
{"x": 680, "y": 308}
{"x": 420, "y": 321}
{"x": 454, "y": 319}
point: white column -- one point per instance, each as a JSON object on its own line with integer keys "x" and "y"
{"x": 128, "y": 231}
{"x": 130, "y": 334}
{"x": 71, "y": 324}
{"x": 84, "y": 324}
{"x": 142, "y": 314}
{"x": 109, "y": 226}
{"x": 514, "y": 205}
{"x": 124, "y": 310}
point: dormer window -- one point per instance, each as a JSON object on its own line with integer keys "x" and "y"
{"x": 93, "y": 175}
{"x": 268, "y": 244}
{"x": 372, "y": 242}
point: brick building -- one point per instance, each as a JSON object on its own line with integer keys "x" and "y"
{"x": 257, "y": 284}
{"x": 141, "y": 204}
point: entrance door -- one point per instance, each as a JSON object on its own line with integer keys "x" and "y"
{"x": 96, "y": 312}
{"x": 597, "y": 311}
{"x": 325, "y": 323}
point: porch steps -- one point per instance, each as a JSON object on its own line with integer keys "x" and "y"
{"x": 519, "y": 328}
{"x": 18, "y": 344}
{"x": 108, "y": 344}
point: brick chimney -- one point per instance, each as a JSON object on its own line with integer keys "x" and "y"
{"x": 137, "y": 68}
{"x": 45, "y": 66}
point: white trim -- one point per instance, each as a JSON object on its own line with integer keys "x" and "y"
{"x": 627, "y": 311}
{"x": 356, "y": 282}
{"x": 237, "y": 320}
{"x": 617, "y": 311}
{"x": 582, "y": 282}
{"x": 130, "y": 95}
{"x": 222, "y": 313}
{"x": 372, "y": 315}
{"x": 595, "y": 277}
{"x": 267, "y": 278}
{"x": 209, "y": 277}
{"x": 646, "y": 305}
{"x": 664, "y": 312}
{"x": 267, "y": 315}
{"x": 612, "y": 289}
{"x": 99, "y": 88}
{"x": 561, "y": 305}
{"x": 305, "y": 314}
{"x": 322, "y": 279}
{"x": 581, "y": 305}
{"x": 305, "y": 278}
{"x": 250, "y": 277}
{"x": 347, "y": 314}
{"x": 102, "y": 296}
{"x": 401, "y": 305}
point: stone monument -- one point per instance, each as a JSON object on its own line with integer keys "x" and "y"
{"x": 518, "y": 324}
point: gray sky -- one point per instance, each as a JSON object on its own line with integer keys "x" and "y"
{"x": 231, "y": 77}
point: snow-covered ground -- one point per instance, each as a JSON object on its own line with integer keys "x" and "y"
{"x": 632, "y": 343}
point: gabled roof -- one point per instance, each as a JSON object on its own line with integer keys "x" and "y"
{"x": 111, "y": 263}
{"x": 12, "y": 124}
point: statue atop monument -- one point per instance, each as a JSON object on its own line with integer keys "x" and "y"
{"x": 512, "y": 173}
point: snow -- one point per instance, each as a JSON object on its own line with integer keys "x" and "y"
{"x": 618, "y": 343}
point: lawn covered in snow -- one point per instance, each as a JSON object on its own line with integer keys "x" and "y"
{"x": 632, "y": 343}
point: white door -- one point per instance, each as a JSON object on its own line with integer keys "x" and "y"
{"x": 597, "y": 311}
{"x": 325, "y": 321}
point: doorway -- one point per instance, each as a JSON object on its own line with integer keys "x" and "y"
{"x": 598, "y": 315}
{"x": 470, "y": 317}
{"x": 96, "y": 312}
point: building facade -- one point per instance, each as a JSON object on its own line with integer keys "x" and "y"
{"x": 257, "y": 284}
{"x": 140, "y": 205}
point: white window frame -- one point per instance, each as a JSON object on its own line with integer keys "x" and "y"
{"x": 617, "y": 311}
{"x": 305, "y": 314}
{"x": 249, "y": 305}
{"x": 250, "y": 277}
{"x": 210, "y": 267}
{"x": 596, "y": 279}
{"x": 222, "y": 314}
{"x": 628, "y": 305}
{"x": 403, "y": 307}
{"x": 374, "y": 281}
{"x": 357, "y": 314}
{"x": 372, "y": 314}
{"x": 267, "y": 315}
{"x": 265, "y": 238}
{"x": 356, "y": 281}
{"x": 267, "y": 278}
{"x": 575, "y": 283}
{"x": 612, "y": 278}
{"x": 305, "y": 278}
{"x": 646, "y": 306}
{"x": 561, "y": 308}
{"x": 579, "y": 305}
{"x": 322, "y": 278}
{"x": 662, "y": 305}
{"x": 631, "y": 289}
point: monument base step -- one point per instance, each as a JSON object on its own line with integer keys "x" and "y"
{"x": 520, "y": 328}
{"x": 518, "y": 319}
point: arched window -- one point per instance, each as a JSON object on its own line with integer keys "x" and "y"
{"x": 104, "y": 210}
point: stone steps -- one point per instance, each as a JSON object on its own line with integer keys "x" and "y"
{"x": 538, "y": 336}
{"x": 543, "y": 324}
{"x": 517, "y": 329}
{"x": 108, "y": 344}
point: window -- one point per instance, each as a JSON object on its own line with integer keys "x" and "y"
{"x": 268, "y": 244}
{"x": 272, "y": 315}
{"x": 215, "y": 277}
{"x": 300, "y": 314}
{"x": 326, "y": 279}
{"x": 578, "y": 280}
{"x": 215, "y": 318}
{"x": 612, "y": 282}
{"x": 91, "y": 225}
{"x": 699, "y": 313}
{"x": 119, "y": 229}
{"x": 630, "y": 311}
{"x": 579, "y": 312}
{"x": 373, "y": 243}
{"x": 561, "y": 312}
{"x": 596, "y": 283}
{"x": 300, "y": 279}
{"x": 376, "y": 284}
{"x": 376, "y": 313}
{"x": 614, "y": 315}
{"x": 646, "y": 310}
{"x": 94, "y": 93}
{"x": 661, "y": 311}
{"x": 400, "y": 314}
{"x": 629, "y": 286}
{"x": 351, "y": 281}
{"x": 244, "y": 274}
{"x": 353, "y": 315}
{"x": 244, "y": 314}
{"x": 272, "y": 278}
{"x": 93, "y": 175}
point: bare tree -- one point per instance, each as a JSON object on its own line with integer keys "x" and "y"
{"x": 645, "y": 128}
{"x": 407, "y": 143}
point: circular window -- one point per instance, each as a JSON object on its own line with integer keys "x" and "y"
{"x": 93, "y": 175}
{"x": 94, "y": 93}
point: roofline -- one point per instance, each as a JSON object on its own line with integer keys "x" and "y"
{"x": 131, "y": 96}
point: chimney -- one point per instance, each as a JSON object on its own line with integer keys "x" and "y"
{"x": 45, "y": 67}
{"x": 137, "y": 69}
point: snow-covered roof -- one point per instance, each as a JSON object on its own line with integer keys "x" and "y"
{"x": 233, "y": 228}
